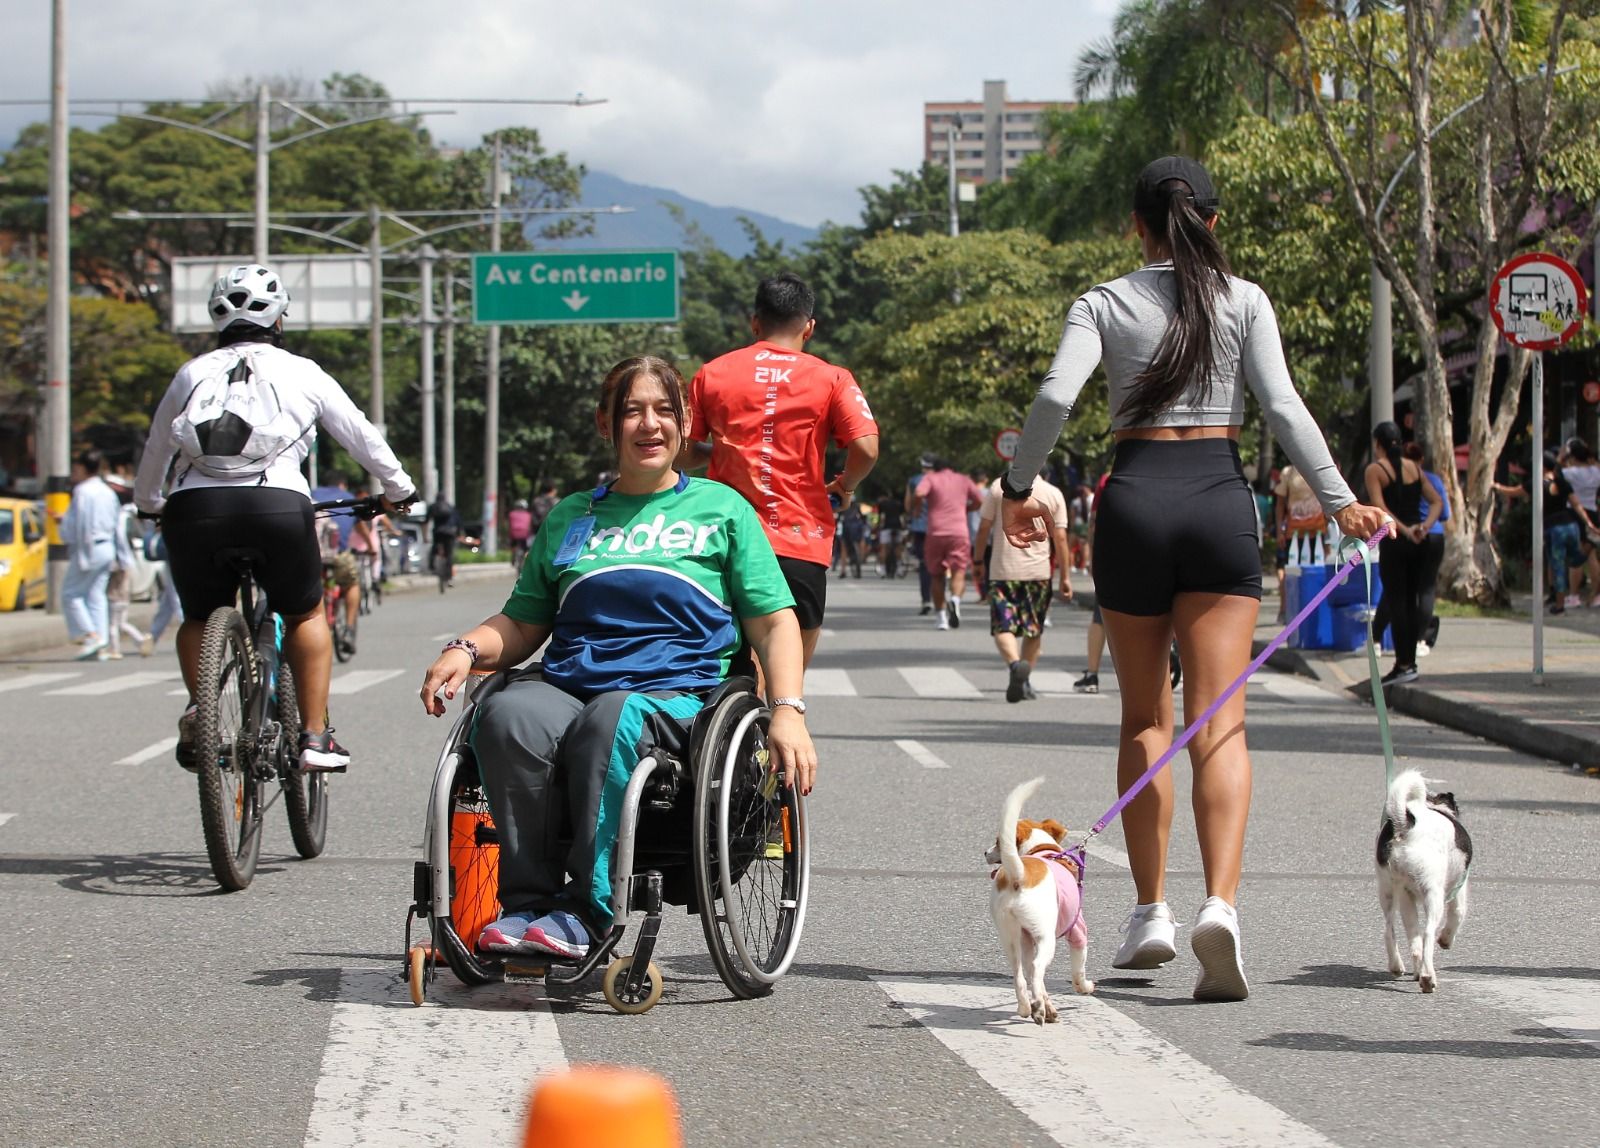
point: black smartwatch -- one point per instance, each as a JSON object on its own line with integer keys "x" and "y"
{"x": 1011, "y": 493}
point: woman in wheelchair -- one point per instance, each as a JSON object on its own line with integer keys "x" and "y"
{"x": 645, "y": 589}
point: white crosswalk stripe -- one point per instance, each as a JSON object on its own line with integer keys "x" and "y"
{"x": 938, "y": 682}
{"x": 1052, "y": 682}
{"x": 829, "y": 684}
{"x": 33, "y": 681}
{"x": 116, "y": 685}
{"x": 4, "y": 817}
{"x": 920, "y": 754}
{"x": 456, "y": 1071}
{"x": 1294, "y": 689}
{"x": 357, "y": 680}
{"x": 1570, "y": 1006}
{"x": 155, "y": 749}
{"x": 1094, "y": 1074}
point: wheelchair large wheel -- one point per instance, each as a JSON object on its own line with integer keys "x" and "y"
{"x": 475, "y": 880}
{"x": 751, "y": 859}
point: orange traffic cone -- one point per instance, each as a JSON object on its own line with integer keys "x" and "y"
{"x": 598, "y": 1106}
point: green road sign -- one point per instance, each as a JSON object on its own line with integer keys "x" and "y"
{"x": 575, "y": 287}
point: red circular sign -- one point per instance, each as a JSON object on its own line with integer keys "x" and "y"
{"x": 1591, "y": 392}
{"x": 1538, "y": 301}
{"x": 1005, "y": 443}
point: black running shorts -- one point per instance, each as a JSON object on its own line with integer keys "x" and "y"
{"x": 276, "y": 526}
{"x": 1176, "y": 517}
{"x": 808, "y": 582}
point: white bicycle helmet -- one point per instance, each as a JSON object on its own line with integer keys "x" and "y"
{"x": 250, "y": 292}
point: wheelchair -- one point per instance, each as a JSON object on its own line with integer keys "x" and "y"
{"x": 719, "y": 834}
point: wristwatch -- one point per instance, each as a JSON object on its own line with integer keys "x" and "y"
{"x": 1011, "y": 493}
{"x": 796, "y": 704}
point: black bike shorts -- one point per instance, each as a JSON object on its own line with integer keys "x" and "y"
{"x": 808, "y": 582}
{"x": 1175, "y": 517}
{"x": 277, "y": 528}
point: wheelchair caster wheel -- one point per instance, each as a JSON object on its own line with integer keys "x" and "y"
{"x": 615, "y": 978}
{"x": 417, "y": 974}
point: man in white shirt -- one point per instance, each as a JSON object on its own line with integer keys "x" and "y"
{"x": 89, "y": 528}
{"x": 1018, "y": 584}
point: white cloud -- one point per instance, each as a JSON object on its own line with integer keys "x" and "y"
{"x": 778, "y": 107}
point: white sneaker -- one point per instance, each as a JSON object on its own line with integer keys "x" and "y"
{"x": 941, "y": 620}
{"x": 1149, "y": 938}
{"x": 1215, "y": 941}
{"x": 1423, "y": 649}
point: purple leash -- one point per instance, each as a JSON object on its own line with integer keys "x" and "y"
{"x": 1079, "y": 853}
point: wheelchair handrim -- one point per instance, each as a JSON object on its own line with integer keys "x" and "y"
{"x": 725, "y": 872}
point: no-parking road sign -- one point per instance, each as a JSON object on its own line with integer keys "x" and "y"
{"x": 1538, "y": 301}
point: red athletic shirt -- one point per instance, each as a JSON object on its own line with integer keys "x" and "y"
{"x": 770, "y": 413}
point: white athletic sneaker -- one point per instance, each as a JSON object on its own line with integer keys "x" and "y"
{"x": 942, "y": 620}
{"x": 1149, "y": 938}
{"x": 1215, "y": 941}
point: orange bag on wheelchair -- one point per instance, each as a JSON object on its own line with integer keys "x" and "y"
{"x": 475, "y": 866}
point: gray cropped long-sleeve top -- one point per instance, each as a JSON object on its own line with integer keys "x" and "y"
{"x": 1121, "y": 323}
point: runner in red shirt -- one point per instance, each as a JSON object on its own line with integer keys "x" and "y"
{"x": 769, "y": 410}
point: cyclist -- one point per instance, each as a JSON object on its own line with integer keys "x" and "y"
{"x": 519, "y": 528}
{"x": 345, "y": 541}
{"x": 233, "y": 429}
{"x": 446, "y": 522}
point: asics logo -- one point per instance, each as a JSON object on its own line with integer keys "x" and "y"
{"x": 760, "y": 355}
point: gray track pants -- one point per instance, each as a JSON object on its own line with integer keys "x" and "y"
{"x": 549, "y": 759}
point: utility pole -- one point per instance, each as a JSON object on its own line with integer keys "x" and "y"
{"x": 263, "y": 154}
{"x": 375, "y": 329}
{"x": 58, "y": 349}
{"x": 447, "y": 450}
{"x": 950, "y": 154}
{"x": 430, "y": 458}
{"x": 491, "y": 403}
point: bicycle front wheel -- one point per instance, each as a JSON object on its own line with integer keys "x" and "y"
{"x": 230, "y": 789}
{"x": 305, "y": 795}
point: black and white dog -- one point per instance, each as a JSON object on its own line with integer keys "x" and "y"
{"x": 1423, "y": 856}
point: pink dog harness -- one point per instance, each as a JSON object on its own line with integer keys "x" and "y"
{"x": 1069, "y": 901}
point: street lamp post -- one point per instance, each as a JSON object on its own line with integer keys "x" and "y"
{"x": 58, "y": 351}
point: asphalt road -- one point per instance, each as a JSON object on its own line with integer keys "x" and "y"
{"x": 138, "y": 1006}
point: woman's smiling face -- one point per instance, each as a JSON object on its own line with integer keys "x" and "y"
{"x": 648, "y": 435}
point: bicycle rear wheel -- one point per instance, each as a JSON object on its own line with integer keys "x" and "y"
{"x": 342, "y": 648}
{"x": 305, "y": 795}
{"x": 230, "y": 787}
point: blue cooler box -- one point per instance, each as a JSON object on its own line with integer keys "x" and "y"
{"x": 1300, "y": 585}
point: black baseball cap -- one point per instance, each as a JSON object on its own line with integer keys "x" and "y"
{"x": 1148, "y": 185}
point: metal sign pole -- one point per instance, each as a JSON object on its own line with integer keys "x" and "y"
{"x": 1536, "y": 491}
{"x": 430, "y": 465}
{"x": 447, "y": 428}
{"x": 491, "y": 397}
{"x": 58, "y": 312}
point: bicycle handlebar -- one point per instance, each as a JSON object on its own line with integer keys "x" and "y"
{"x": 368, "y": 507}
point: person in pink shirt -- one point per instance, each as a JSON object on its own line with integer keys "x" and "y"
{"x": 948, "y": 495}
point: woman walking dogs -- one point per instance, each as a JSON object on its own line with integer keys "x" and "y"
{"x": 1176, "y": 549}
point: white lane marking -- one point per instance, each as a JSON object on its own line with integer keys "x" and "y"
{"x": 827, "y": 633}
{"x": 1052, "y": 681}
{"x": 374, "y": 1092}
{"x": 31, "y": 681}
{"x": 357, "y": 680}
{"x": 1570, "y": 1007}
{"x": 921, "y": 755}
{"x": 165, "y": 745}
{"x": 4, "y": 817}
{"x": 1097, "y": 1069}
{"x": 1293, "y": 689}
{"x": 938, "y": 682}
{"x": 116, "y": 685}
{"x": 180, "y": 692}
{"x": 1109, "y": 853}
{"x": 829, "y": 684}
{"x": 444, "y": 637}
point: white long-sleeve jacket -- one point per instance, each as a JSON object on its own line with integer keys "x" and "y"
{"x": 305, "y": 391}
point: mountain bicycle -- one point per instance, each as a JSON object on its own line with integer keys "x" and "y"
{"x": 344, "y": 646}
{"x": 247, "y": 727}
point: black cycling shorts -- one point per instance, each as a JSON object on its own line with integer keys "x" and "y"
{"x": 808, "y": 582}
{"x": 276, "y": 526}
{"x": 1175, "y": 517}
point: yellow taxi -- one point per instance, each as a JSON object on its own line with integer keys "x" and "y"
{"x": 22, "y": 554}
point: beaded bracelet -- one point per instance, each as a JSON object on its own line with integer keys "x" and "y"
{"x": 470, "y": 647}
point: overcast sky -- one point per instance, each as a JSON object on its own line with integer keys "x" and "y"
{"x": 783, "y": 107}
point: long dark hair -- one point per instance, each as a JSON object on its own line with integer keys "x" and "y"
{"x": 1387, "y": 436}
{"x": 1185, "y": 353}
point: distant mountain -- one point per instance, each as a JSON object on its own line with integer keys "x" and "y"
{"x": 650, "y": 224}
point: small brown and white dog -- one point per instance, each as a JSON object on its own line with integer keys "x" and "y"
{"x": 1036, "y": 899}
{"x": 1423, "y": 856}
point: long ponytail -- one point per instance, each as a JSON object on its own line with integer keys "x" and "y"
{"x": 1387, "y": 436}
{"x": 1186, "y": 353}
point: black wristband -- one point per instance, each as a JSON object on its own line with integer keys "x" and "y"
{"x": 1011, "y": 493}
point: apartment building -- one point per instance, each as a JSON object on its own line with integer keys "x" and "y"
{"x": 993, "y": 135}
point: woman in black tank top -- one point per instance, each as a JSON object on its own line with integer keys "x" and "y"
{"x": 1395, "y": 483}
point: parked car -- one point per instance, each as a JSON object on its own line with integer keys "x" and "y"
{"x": 23, "y": 554}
